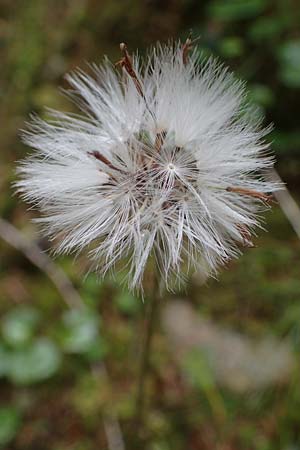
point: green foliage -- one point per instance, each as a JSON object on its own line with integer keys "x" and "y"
{"x": 266, "y": 28}
{"x": 79, "y": 331}
{"x": 26, "y": 359}
{"x": 4, "y": 360}
{"x": 91, "y": 394}
{"x": 231, "y": 47}
{"x": 92, "y": 290}
{"x": 231, "y": 10}
{"x": 79, "y": 334}
{"x": 198, "y": 370}
{"x": 38, "y": 362}
{"x": 261, "y": 95}
{"x": 127, "y": 303}
{"x": 197, "y": 367}
{"x": 19, "y": 324}
{"x": 289, "y": 59}
{"x": 10, "y": 420}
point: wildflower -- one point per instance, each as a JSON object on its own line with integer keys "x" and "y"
{"x": 166, "y": 162}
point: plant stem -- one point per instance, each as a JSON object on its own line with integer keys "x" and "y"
{"x": 151, "y": 315}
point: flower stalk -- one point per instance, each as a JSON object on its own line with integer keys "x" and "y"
{"x": 151, "y": 317}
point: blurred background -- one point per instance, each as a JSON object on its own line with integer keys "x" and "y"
{"x": 225, "y": 364}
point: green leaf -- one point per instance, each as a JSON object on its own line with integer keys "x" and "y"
{"x": 160, "y": 445}
{"x": 10, "y": 420}
{"x": 79, "y": 332}
{"x": 198, "y": 370}
{"x": 289, "y": 53}
{"x": 286, "y": 142}
{"x": 92, "y": 290}
{"x": 231, "y": 47}
{"x": 230, "y": 10}
{"x": 127, "y": 303}
{"x": 36, "y": 363}
{"x": 4, "y": 360}
{"x": 261, "y": 95}
{"x": 266, "y": 28}
{"x": 19, "y": 325}
{"x": 289, "y": 59}
{"x": 290, "y": 77}
{"x": 97, "y": 350}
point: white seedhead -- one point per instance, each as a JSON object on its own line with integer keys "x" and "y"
{"x": 165, "y": 163}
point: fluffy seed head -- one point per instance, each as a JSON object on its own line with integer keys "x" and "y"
{"x": 165, "y": 163}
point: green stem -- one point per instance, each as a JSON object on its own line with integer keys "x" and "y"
{"x": 151, "y": 315}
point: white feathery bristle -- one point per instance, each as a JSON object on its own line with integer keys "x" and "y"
{"x": 163, "y": 163}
